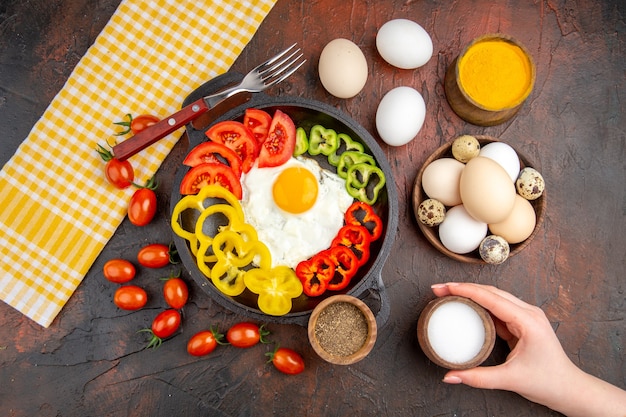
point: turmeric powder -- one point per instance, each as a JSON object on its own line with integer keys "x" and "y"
{"x": 496, "y": 74}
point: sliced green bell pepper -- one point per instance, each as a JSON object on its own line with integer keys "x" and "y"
{"x": 345, "y": 144}
{"x": 322, "y": 141}
{"x": 364, "y": 182}
{"x": 349, "y": 158}
{"x": 302, "y": 142}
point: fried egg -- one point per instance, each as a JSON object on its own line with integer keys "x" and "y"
{"x": 296, "y": 208}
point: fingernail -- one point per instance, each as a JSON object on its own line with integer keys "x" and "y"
{"x": 452, "y": 379}
{"x": 436, "y": 286}
{"x": 452, "y": 284}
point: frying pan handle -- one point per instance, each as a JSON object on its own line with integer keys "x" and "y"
{"x": 150, "y": 135}
{"x": 377, "y": 299}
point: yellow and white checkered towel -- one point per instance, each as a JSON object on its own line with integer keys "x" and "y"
{"x": 58, "y": 211}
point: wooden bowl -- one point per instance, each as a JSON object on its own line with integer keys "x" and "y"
{"x": 342, "y": 329}
{"x": 425, "y": 344}
{"x": 432, "y": 233}
{"x": 466, "y": 107}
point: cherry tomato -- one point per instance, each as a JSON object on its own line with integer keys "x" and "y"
{"x": 286, "y": 361}
{"x": 244, "y": 335}
{"x": 210, "y": 173}
{"x": 258, "y": 121}
{"x": 209, "y": 152}
{"x": 142, "y": 122}
{"x": 204, "y": 342}
{"x": 119, "y": 271}
{"x": 280, "y": 142}
{"x": 119, "y": 173}
{"x": 130, "y": 297}
{"x": 238, "y": 138}
{"x": 155, "y": 255}
{"x": 163, "y": 326}
{"x": 175, "y": 292}
{"x": 142, "y": 207}
{"x": 136, "y": 124}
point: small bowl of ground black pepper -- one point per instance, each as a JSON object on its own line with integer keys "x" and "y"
{"x": 342, "y": 330}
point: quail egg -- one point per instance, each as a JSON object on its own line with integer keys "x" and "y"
{"x": 431, "y": 212}
{"x": 465, "y": 147}
{"x": 494, "y": 249}
{"x": 530, "y": 184}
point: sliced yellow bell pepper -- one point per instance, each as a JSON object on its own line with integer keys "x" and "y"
{"x": 235, "y": 256}
{"x": 200, "y": 202}
{"x": 276, "y": 288}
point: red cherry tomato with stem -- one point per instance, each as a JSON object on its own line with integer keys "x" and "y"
{"x": 286, "y": 360}
{"x": 136, "y": 124}
{"x": 119, "y": 173}
{"x": 245, "y": 335}
{"x": 143, "y": 204}
{"x": 142, "y": 122}
{"x": 130, "y": 297}
{"x": 119, "y": 271}
{"x": 204, "y": 342}
{"x": 164, "y": 325}
{"x": 156, "y": 255}
{"x": 175, "y": 292}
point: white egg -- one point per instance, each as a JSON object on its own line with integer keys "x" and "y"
{"x": 461, "y": 233}
{"x": 293, "y": 237}
{"x": 400, "y": 115}
{"x": 342, "y": 68}
{"x": 504, "y": 155}
{"x": 404, "y": 44}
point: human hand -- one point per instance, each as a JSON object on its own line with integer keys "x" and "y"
{"x": 537, "y": 366}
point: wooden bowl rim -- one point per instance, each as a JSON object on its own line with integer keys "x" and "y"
{"x": 424, "y": 342}
{"x": 431, "y": 233}
{"x": 504, "y": 38}
{"x": 371, "y": 333}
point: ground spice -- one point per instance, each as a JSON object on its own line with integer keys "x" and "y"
{"x": 495, "y": 74}
{"x": 341, "y": 329}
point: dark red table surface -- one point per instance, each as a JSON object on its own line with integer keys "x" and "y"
{"x": 91, "y": 361}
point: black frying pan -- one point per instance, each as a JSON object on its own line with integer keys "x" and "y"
{"x": 367, "y": 284}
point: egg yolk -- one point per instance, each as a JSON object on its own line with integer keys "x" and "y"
{"x": 295, "y": 190}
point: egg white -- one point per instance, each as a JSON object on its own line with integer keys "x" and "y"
{"x": 292, "y": 238}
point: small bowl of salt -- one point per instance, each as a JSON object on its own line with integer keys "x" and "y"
{"x": 455, "y": 332}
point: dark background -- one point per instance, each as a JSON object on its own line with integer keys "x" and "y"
{"x": 91, "y": 361}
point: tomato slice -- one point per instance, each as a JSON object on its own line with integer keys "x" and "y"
{"x": 237, "y": 137}
{"x": 280, "y": 142}
{"x": 209, "y": 173}
{"x": 258, "y": 121}
{"x": 210, "y": 152}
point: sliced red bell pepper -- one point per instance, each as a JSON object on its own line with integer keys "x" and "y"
{"x": 315, "y": 273}
{"x": 346, "y": 265}
{"x": 361, "y": 213}
{"x": 356, "y": 238}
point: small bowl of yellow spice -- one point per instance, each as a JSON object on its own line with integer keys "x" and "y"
{"x": 489, "y": 81}
{"x": 342, "y": 329}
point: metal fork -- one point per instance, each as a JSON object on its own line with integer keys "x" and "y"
{"x": 265, "y": 75}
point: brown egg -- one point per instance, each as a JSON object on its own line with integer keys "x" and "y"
{"x": 519, "y": 225}
{"x": 440, "y": 180}
{"x": 486, "y": 190}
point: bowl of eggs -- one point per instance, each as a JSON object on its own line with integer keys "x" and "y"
{"x": 291, "y": 236}
{"x": 477, "y": 200}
